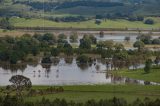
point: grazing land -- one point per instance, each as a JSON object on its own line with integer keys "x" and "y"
{"x": 140, "y": 74}
{"x": 82, "y": 93}
{"x": 117, "y": 23}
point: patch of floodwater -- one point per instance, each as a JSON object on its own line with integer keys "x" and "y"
{"x": 64, "y": 72}
{"x": 115, "y": 37}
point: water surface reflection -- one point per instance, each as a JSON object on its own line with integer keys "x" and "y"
{"x": 64, "y": 72}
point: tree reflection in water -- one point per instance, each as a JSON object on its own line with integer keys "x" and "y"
{"x": 68, "y": 60}
{"x": 55, "y": 61}
{"x": 83, "y": 66}
{"x": 47, "y": 69}
{"x": 34, "y": 73}
{"x": 13, "y": 67}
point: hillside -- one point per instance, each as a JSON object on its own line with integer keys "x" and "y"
{"x": 52, "y": 8}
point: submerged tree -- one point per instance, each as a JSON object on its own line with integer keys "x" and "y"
{"x": 101, "y": 34}
{"x": 20, "y": 83}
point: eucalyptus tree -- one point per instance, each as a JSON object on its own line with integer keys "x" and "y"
{"x": 20, "y": 83}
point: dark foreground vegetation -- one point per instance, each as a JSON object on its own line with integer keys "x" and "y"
{"x": 13, "y": 101}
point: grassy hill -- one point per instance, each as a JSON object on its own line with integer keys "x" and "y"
{"x": 119, "y": 23}
{"x": 34, "y": 8}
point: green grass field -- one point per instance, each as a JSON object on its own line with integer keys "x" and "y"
{"x": 83, "y": 93}
{"x": 87, "y": 24}
{"x": 154, "y": 75}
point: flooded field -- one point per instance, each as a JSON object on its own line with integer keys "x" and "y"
{"x": 65, "y": 72}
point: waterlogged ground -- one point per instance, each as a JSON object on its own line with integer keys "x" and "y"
{"x": 65, "y": 72}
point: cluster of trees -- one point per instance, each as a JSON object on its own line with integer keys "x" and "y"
{"x": 48, "y": 6}
{"x": 147, "y": 39}
{"x": 120, "y": 15}
{"x": 135, "y": 18}
{"x": 128, "y": 17}
{"x": 16, "y": 49}
{"x": 83, "y": 59}
{"x": 69, "y": 19}
{"x": 5, "y": 24}
{"x": 88, "y": 4}
{"x": 13, "y": 101}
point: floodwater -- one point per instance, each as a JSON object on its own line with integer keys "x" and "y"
{"x": 116, "y": 37}
{"x": 65, "y": 72}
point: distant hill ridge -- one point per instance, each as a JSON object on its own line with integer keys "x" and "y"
{"x": 80, "y": 7}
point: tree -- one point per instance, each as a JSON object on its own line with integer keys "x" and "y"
{"x": 118, "y": 47}
{"x": 4, "y": 23}
{"x": 146, "y": 39}
{"x": 157, "y": 60}
{"x": 139, "y": 45}
{"x": 156, "y": 41}
{"x": 55, "y": 52}
{"x": 149, "y": 21}
{"x": 132, "y": 18}
{"x": 101, "y": 34}
{"x": 85, "y": 43}
{"x": 100, "y": 45}
{"x": 127, "y": 38}
{"x": 99, "y": 16}
{"x": 148, "y": 66}
{"x": 35, "y": 50}
{"x": 140, "y": 18}
{"x": 62, "y": 36}
{"x": 20, "y": 83}
{"x": 93, "y": 39}
{"x": 49, "y": 37}
{"x": 82, "y": 59}
{"x": 98, "y": 21}
{"x": 68, "y": 49}
{"x": 14, "y": 57}
{"x": 74, "y": 37}
{"x": 109, "y": 44}
{"x": 46, "y": 59}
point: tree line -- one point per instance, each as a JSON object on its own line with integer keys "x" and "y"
{"x": 48, "y": 6}
{"x": 16, "y": 49}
